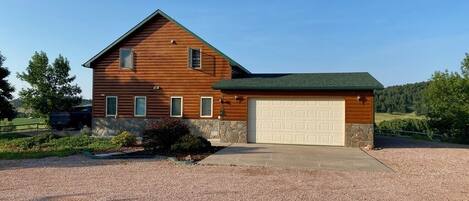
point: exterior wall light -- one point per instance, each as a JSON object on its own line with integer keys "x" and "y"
{"x": 361, "y": 98}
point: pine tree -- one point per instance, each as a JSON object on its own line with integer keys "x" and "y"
{"x": 6, "y": 109}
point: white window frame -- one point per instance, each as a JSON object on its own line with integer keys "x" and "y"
{"x": 211, "y": 106}
{"x": 171, "y": 106}
{"x": 117, "y": 106}
{"x": 135, "y": 106}
{"x": 131, "y": 55}
{"x": 190, "y": 57}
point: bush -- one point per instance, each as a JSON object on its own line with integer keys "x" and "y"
{"x": 34, "y": 142}
{"x": 17, "y": 147}
{"x": 124, "y": 139}
{"x": 78, "y": 141}
{"x": 85, "y": 131}
{"x": 415, "y": 125}
{"x": 164, "y": 133}
{"x": 191, "y": 143}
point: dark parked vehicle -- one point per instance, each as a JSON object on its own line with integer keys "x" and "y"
{"x": 77, "y": 118}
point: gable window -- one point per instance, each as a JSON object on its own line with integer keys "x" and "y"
{"x": 140, "y": 106}
{"x": 206, "y": 106}
{"x": 126, "y": 57}
{"x": 111, "y": 106}
{"x": 176, "y": 107}
{"x": 195, "y": 58}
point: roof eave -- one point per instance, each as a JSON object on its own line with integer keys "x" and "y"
{"x": 294, "y": 89}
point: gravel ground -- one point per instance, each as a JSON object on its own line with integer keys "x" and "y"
{"x": 422, "y": 171}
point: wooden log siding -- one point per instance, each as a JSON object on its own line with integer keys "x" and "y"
{"x": 158, "y": 62}
{"x": 355, "y": 111}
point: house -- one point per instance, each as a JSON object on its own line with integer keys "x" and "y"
{"x": 161, "y": 69}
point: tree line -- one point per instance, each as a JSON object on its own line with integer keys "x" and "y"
{"x": 444, "y": 100}
{"x": 405, "y": 98}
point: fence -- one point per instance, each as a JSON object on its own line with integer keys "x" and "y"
{"x": 30, "y": 127}
{"x": 389, "y": 132}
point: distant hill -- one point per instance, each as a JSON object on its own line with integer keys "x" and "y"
{"x": 405, "y": 98}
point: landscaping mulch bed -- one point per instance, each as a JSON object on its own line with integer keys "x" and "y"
{"x": 139, "y": 152}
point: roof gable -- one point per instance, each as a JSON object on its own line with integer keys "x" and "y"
{"x": 142, "y": 23}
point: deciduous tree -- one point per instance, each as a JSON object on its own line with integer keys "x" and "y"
{"x": 51, "y": 86}
{"x": 447, "y": 99}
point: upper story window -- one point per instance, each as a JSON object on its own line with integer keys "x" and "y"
{"x": 111, "y": 106}
{"x": 126, "y": 57}
{"x": 195, "y": 58}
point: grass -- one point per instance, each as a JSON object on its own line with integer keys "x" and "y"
{"x": 17, "y": 146}
{"x": 379, "y": 117}
{"x": 36, "y": 154}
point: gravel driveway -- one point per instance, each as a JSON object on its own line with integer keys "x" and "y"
{"x": 422, "y": 171}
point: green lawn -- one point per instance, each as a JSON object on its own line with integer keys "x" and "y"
{"x": 18, "y": 146}
{"x": 379, "y": 117}
{"x": 22, "y": 124}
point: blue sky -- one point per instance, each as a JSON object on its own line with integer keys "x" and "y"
{"x": 396, "y": 41}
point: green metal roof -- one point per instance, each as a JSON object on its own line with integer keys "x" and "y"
{"x": 302, "y": 81}
{"x": 160, "y": 12}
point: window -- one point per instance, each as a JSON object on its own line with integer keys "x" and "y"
{"x": 206, "y": 106}
{"x": 195, "y": 58}
{"x": 126, "y": 57}
{"x": 140, "y": 106}
{"x": 111, "y": 106}
{"x": 176, "y": 106}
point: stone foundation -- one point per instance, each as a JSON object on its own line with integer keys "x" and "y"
{"x": 234, "y": 131}
{"x": 207, "y": 128}
{"x": 359, "y": 135}
{"x": 356, "y": 135}
{"x": 231, "y": 131}
{"x": 113, "y": 126}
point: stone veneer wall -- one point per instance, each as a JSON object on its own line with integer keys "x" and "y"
{"x": 359, "y": 135}
{"x": 113, "y": 126}
{"x": 231, "y": 131}
{"x": 234, "y": 131}
{"x": 356, "y": 135}
{"x": 207, "y": 128}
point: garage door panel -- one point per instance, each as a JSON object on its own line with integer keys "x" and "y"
{"x": 314, "y": 121}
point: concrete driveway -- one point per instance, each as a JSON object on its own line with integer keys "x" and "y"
{"x": 295, "y": 157}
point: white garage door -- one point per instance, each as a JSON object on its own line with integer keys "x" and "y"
{"x": 310, "y": 121}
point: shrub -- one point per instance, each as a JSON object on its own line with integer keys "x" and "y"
{"x": 415, "y": 125}
{"x": 78, "y": 141}
{"x": 85, "y": 131}
{"x": 124, "y": 139}
{"x": 191, "y": 143}
{"x": 164, "y": 133}
{"x": 34, "y": 142}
